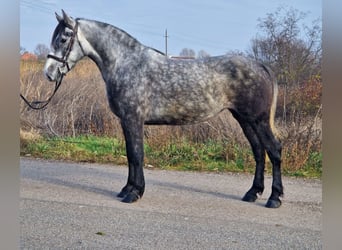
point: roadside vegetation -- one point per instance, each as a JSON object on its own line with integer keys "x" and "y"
{"x": 209, "y": 156}
{"x": 78, "y": 125}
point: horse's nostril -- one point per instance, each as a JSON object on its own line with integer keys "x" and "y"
{"x": 49, "y": 73}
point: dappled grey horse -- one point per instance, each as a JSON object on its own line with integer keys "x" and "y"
{"x": 145, "y": 87}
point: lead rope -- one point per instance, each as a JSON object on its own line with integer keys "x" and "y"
{"x": 37, "y": 105}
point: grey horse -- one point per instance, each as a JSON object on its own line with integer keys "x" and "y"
{"x": 146, "y": 87}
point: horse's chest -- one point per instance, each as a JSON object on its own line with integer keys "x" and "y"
{"x": 125, "y": 99}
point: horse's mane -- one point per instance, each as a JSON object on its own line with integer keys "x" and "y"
{"x": 116, "y": 29}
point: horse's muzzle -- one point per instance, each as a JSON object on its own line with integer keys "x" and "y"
{"x": 52, "y": 71}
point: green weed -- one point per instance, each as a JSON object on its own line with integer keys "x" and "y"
{"x": 182, "y": 155}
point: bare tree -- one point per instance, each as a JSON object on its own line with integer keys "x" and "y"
{"x": 293, "y": 50}
{"x": 186, "y": 52}
{"x": 41, "y": 51}
{"x": 293, "y": 53}
{"x": 203, "y": 54}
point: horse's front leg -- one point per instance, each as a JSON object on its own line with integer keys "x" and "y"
{"x": 135, "y": 187}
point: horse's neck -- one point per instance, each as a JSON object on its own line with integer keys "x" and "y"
{"x": 106, "y": 44}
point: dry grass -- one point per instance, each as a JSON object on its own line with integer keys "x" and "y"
{"x": 80, "y": 107}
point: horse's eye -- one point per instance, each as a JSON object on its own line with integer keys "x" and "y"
{"x": 68, "y": 33}
{"x": 63, "y": 40}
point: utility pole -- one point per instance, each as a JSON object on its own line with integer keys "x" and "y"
{"x": 166, "y": 36}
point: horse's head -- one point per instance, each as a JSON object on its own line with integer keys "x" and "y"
{"x": 65, "y": 48}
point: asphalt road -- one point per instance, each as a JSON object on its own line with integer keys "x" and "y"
{"x": 74, "y": 206}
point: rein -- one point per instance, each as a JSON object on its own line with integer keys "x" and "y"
{"x": 37, "y": 105}
{"x": 42, "y": 104}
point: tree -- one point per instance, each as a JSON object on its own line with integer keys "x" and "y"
{"x": 293, "y": 56}
{"x": 41, "y": 51}
{"x": 22, "y": 50}
{"x": 186, "y": 52}
{"x": 292, "y": 49}
{"x": 203, "y": 54}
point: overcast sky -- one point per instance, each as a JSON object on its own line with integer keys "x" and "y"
{"x": 216, "y": 26}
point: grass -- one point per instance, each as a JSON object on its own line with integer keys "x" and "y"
{"x": 181, "y": 155}
{"x": 81, "y": 149}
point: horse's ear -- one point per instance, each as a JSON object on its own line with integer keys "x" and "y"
{"x": 59, "y": 18}
{"x": 69, "y": 21}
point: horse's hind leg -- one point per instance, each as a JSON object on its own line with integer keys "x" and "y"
{"x": 259, "y": 156}
{"x": 134, "y": 189}
{"x": 273, "y": 149}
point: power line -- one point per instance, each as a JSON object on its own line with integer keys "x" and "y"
{"x": 42, "y": 7}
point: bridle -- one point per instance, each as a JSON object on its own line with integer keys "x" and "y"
{"x": 64, "y": 60}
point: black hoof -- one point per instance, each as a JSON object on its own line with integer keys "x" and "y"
{"x": 273, "y": 203}
{"x": 249, "y": 197}
{"x": 131, "y": 197}
{"x": 125, "y": 191}
{"x": 122, "y": 194}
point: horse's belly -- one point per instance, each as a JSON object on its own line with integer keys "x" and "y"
{"x": 181, "y": 114}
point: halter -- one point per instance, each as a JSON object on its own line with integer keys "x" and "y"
{"x": 42, "y": 104}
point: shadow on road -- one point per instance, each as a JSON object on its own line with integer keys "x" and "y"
{"x": 197, "y": 190}
{"x": 80, "y": 186}
{"x": 76, "y": 184}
